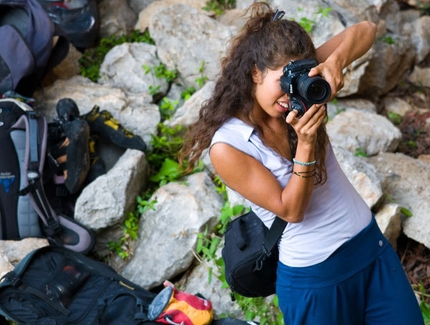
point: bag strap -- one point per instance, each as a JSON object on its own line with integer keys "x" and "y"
{"x": 32, "y": 163}
{"x": 57, "y": 306}
{"x": 270, "y": 240}
{"x": 274, "y": 233}
{"x": 34, "y": 168}
{"x": 59, "y": 50}
{"x": 141, "y": 315}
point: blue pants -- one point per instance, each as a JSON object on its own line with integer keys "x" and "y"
{"x": 362, "y": 282}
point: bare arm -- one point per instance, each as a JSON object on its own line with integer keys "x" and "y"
{"x": 252, "y": 180}
{"x": 341, "y": 50}
{"x": 348, "y": 45}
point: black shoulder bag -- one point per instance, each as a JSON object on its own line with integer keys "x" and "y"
{"x": 251, "y": 254}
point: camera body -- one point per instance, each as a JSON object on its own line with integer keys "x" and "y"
{"x": 66, "y": 284}
{"x": 304, "y": 91}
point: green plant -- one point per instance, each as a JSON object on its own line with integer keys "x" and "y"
{"x": 167, "y": 108}
{"x": 425, "y": 310}
{"x": 360, "y": 152}
{"x": 394, "y": 117}
{"x": 164, "y": 168}
{"x": 165, "y": 144}
{"x": 406, "y": 212}
{"x": 412, "y": 144}
{"x": 154, "y": 89}
{"x": 403, "y": 210}
{"x": 168, "y": 172}
{"x": 323, "y": 11}
{"x": 93, "y": 58}
{"x": 420, "y": 291}
{"x": 207, "y": 245}
{"x": 130, "y": 231}
{"x": 227, "y": 212}
{"x": 267, "y": 312}
{"x": 202, "y": 79}
{"x": 159, "y": 72}
{"x": 162, "y": 158}
{"x": 218, "y": 6}
{"x": 143, "y": 203}
{"x": 309, "y": 24}
{"x": 208, "y": 242}
{"x": 386, "y": 39}
{"x": 187, "y": 93}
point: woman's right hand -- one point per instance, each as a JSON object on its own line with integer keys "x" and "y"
{"x": 331, "y": 71}
{"x": 341, "y": 50}
{"x": 306, "y": 126}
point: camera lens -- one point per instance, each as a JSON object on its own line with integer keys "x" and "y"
{"x": 314, "y": 90}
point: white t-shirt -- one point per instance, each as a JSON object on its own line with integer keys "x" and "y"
{"x": 336, "y": 212}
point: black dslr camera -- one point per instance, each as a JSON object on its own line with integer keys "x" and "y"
{"x": 304, "y": 91}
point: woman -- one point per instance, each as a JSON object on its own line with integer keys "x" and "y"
{"x": 335, "y": 266}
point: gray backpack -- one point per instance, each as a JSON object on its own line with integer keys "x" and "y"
{"x": 27, "y": 53}
{"x": 25, "y": 210}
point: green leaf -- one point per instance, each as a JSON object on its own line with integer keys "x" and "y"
{"x": 214, "y": 245}
{"x": 168, "y": 168}
{"x": 199, "y": 245}
{"x": 406, "y": 212}
{"x": 360, "y": 152}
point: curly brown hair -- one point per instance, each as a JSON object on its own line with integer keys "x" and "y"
{"x": 263, "y": 43}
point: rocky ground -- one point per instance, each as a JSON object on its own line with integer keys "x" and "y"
{"x": 415, "y": 128}
{"x": 415, "y": 258}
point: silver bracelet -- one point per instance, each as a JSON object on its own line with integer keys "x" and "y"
{"x": 302, "y": 163}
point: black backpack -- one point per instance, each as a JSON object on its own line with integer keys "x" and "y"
{"x": 25, "y": 210}
{"x": 54, "y": 285}
{"x": 27, "y": 53}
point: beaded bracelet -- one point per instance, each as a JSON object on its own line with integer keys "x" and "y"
{"x": 302, "y": 163}
{"x": 304, "y": 174}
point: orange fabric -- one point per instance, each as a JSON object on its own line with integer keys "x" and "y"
{"x": 187, "y": 309}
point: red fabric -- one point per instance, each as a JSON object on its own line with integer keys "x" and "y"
{"x": 186, "y": 309}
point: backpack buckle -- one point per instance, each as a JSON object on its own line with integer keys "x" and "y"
{"x": 33, "y": 175}
{"x": 53, "y": 227}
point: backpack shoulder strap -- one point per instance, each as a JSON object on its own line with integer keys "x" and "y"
{"x": 14, "y": 279}
{"x": 29, "y": 135}
{"x": 11, "y": 278}
{"x": 59, "y": 51}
